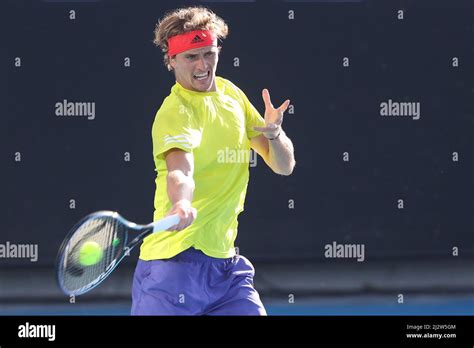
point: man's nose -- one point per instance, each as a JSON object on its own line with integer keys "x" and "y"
{"x": 202, "y": 64}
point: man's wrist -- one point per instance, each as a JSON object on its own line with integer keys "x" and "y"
{"x": 276, "y": 136}
{"x": 183, "y": 202}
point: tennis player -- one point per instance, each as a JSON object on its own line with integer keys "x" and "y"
{"x": 202, "y": 135}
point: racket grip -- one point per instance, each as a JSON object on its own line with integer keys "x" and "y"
{"x": 165, "y": 223}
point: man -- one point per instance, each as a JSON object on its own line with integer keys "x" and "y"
{"x": 193, "y": 269}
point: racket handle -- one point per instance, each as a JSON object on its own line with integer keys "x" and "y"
{"x": 165, "y": 223}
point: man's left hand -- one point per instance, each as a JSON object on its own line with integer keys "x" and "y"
{"x": 273, "y": 117}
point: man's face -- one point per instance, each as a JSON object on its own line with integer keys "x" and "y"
{"x": 196, "y": 69}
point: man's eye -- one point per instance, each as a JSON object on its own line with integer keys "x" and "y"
{"x": 209, "y": 54}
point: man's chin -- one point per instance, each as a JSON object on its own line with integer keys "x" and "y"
{"x": 203, "y": 87}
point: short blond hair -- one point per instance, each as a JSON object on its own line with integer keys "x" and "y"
{"x": 183, "y": 20}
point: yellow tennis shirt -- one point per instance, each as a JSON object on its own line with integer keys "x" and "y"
{"x": 216, "y": 127}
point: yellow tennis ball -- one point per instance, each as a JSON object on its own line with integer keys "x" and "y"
{"x": 90, "y": 253}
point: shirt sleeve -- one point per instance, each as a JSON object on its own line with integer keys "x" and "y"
{"x": 175, "y": 128}
{"x": 252, "y": 117}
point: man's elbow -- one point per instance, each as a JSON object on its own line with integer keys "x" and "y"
{"x": 288, "y": 170}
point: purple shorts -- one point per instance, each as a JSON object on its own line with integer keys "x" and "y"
{"x": 192, "y": 283}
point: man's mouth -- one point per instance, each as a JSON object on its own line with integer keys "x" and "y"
{"x": 202, "y": 76}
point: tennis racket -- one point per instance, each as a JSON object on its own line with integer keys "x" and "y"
{"x": 109, "y": 233}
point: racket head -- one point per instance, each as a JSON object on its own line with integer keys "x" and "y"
{"x": 106, "y": 228}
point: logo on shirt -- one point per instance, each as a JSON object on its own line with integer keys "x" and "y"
{"x": 178, "y": 140}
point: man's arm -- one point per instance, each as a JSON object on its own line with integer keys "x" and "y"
{"x": 273, "y": 144}
{"x": 180, "y": 186}
{"x": 278, "y": 154}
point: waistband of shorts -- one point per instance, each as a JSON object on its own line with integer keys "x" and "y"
{"x": 194, "y": 255}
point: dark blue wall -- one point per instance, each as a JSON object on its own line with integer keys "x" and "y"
{"x": 336, "y": 110}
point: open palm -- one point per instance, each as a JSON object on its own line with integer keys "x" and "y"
{"x": 273, "y": 117}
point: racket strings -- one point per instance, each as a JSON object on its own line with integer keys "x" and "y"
{"x": 106, "y": 234}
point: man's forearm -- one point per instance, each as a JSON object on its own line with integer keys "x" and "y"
{"x": 180, "y": 186}
{"x": 281, "y": 154}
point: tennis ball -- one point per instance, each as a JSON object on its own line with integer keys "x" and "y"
{"x": 90, "y": 254}
{"x": 116, "y": 242}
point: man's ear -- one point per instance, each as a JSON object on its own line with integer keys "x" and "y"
{"x": 172, "y": 62}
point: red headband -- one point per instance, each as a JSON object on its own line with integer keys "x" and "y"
{"x": 192, "y": 39}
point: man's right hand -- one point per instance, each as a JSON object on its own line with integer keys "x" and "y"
{"x": 186, "y": 212}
